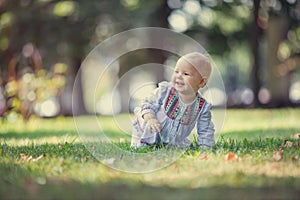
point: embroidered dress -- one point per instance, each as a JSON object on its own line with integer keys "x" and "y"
{"x": 177, "y": 119}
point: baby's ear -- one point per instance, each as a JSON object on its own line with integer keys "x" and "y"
{"x": 203, "y": 82}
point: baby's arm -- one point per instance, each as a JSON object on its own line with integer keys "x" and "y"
{"x": 151, "y": 105}
{"x": 205, "y": 128}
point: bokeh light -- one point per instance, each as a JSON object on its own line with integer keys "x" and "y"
{"x": 179, "y": 21}
{"x": 264, "y": 95}
{"x": 48, "y": 108}
{"x": 294, "y": 92}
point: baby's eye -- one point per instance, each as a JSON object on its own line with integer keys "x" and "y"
{"x": 176, "y": 71}
{"x": 187, "y": 74}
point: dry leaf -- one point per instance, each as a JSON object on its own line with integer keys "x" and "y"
{"x": 288, "y": 144}
{"x": 230, "y": 156}
{"x": 203, "y": 157}
{"x": 23, "y": 156}
{"x": 278, "y": 155}
{"x": 30, "y": 158}
{"x": 295, "y": 158}
{"x": 281, "y": 148}
{"x": 296, "y": 135}
{"x": 175, "y": 166}
{"x": 39, "y": 158}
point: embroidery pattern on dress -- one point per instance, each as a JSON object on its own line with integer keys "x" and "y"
{"x": 192, "y": 111}
{"x": 173, "y": 106}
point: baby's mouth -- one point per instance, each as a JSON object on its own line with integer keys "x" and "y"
{"x": 179, "y": 84}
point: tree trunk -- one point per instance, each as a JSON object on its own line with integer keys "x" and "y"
{"x": 278, "y": 81}
{"x": 255, "y": 38}
{"x": 73, "y": 94}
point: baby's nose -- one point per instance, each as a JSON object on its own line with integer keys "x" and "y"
{"x": 179, "y": 75}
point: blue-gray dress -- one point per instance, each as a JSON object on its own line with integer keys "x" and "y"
{"x": 177, "y": 119}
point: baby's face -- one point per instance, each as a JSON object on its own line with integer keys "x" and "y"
{"x": 186, "y": 79}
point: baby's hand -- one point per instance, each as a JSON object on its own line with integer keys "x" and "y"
{"x": 153, "y": 125}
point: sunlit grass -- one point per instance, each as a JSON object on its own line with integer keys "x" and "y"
{"x": 264, "y": 119}
{"x": 253, "y": 136}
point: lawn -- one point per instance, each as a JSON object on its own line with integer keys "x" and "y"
{"x": 257, "y": 156}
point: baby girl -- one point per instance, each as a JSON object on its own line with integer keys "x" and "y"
{"x": 170, "y": 114}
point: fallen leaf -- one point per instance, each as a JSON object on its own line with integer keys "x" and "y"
{"x": 296, "y": 136}
{"x": 281, "y": 148}
{"x": 294, "y": 158}
{"x": 175, "y": 166}
{"x": 29, "y": 159}
{"x": 25, "y": 158}
{"x": 288, "y": 144}
{"x": 203, "y": 157}
{"x": 39, "y": 158}
{"x": 86, "y": 158}
{"x": 278, "y": 155}
{"x": 230, "y": 156}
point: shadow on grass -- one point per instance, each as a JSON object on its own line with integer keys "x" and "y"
{"x": 29, "y": 187}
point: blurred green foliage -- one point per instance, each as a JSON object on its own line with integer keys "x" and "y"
{"x": 65, "y": 31}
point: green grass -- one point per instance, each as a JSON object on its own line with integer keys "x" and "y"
{"x": 69, "y": 170}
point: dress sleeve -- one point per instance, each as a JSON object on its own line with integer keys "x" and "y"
{"x": 152, "y": 103}
{"x": 205, "y": 128}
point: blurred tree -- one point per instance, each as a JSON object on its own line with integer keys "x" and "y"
{"x": 255, "y": 48}
{"x": 224, "y": 28}
{"x": 223, "y": 25}
{"x": 62, "y": 30}
{"x": 280, "y": 18}
{"x": 65, "y": 31}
